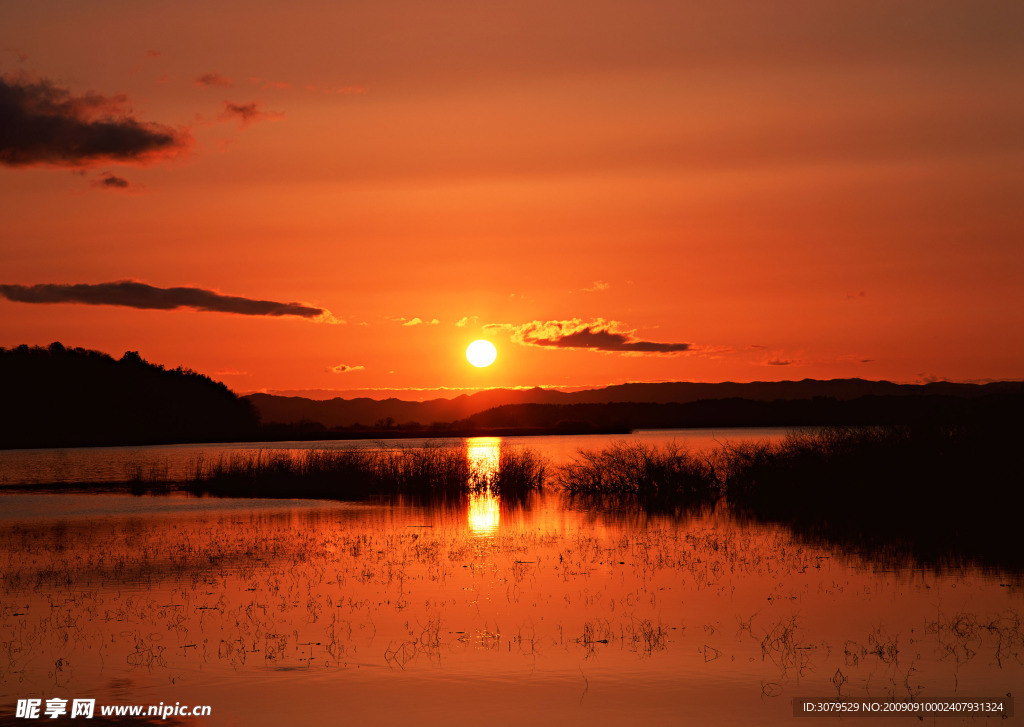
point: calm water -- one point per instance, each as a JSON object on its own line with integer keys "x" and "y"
{"x": 118, "y": 464}
{"x": 306, "y": 612}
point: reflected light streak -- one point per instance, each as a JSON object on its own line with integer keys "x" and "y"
{"x": 484, "y": 512}
{"x": 484, "y": 454}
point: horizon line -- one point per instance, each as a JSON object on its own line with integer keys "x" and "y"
{"x": 326, "y": 394}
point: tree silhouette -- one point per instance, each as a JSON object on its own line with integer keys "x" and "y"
{"x": 59, "y": 396}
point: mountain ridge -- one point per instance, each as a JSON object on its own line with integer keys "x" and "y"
{"x": 340, "y": 412}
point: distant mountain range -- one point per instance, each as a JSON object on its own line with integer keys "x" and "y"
{"x": 59, "y": 397}
{"x": 367, "y": 412}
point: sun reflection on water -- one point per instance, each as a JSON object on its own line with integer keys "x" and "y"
{"x": 484, "y": 512}
{"x": 484, "y": 454}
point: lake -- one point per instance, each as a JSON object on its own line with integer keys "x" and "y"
{"x": 472, "y": 611}
{"x": 118, "y": 464}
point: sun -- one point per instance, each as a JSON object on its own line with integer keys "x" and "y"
{"x": 481, "y": 353}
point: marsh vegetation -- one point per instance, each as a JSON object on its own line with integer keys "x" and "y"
{"x": 432, "y": 470}
{"x": 939, "y": 492}
{"x": 394, "y": 609}
{"x": 406, "y": 573}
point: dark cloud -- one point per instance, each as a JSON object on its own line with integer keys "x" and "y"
{"x": 778, "y": 362}
{"x": 133, "y": 294}
{"x": 604, "y": 340}
{"x": 43, "y": 124}
{"x": 111, "y": 181}
{"x": 248, "y": 113}
{"x": 597, "y": 335}
{"x": 214, "y": 80}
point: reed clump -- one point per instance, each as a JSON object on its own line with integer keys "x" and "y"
{"x": 669, "y": 474}
{"x": 820, "y": 469}
{"x": 520, "y": 472}
{"x": 938, "y": 491}
{"x": 428, "y": 471}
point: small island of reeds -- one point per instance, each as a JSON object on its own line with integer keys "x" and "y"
{"x": 936, "y": 490}
{"x": 432, "y": 470}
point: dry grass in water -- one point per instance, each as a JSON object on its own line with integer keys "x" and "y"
{"x": 427, "y": 471}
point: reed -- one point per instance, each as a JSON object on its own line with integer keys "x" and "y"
{"x": 670, "y": 474}
{"x": 427, "y": 471}
{"x": 521, "y": 471}
{"x": 938, "y": 491}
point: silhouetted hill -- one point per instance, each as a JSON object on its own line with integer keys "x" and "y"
{"x": 348, "y": 412}
{"x": 58, "y": 396}
{"x": 819, "y": 411}
{"x": 368, "y": 412}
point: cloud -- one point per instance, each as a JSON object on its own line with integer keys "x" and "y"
{"x": 598, "y": 287}
{"x": 854, "y": 358}
{"x": 214, "y": 80}
{"x": 784, "y": 358}
{"x": 467, "y": 321}
{"x": 710, "y": 351}
{"x": 345, "y": 368}
{"x": 111, "y": 181}
{"x": 597, "y": 335}
{"x": 133, "y": 294}
{"x": 421, "y": 322}
{"x": 44, "y": 124}
{"x": 248, "y": 113}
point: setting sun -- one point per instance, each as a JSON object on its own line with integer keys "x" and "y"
{"x": 481, "y": 353}
{"x": 721, "y": 249}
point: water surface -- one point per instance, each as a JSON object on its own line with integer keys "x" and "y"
{"x": 476, "y": 612}
{"x": 174, "y": 461}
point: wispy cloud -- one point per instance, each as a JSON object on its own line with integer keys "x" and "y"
{"x": 345, "y": 368}
{"x": 111, "y": 181}
{"x": 230, "y": 372}
{"x": 46, "y": 125}
{"x": 782, "y": 358}
{"x": 214, "y": 80}
{"x": 421, "y": 322}
{"x": 855, "y": 358}
{"x": 249, "y": 113}
{"x": 467, "y": 321}
{"x": 596, "y": 335}
{"x": 133, "y": 294}
{"x": 599, "y": 286}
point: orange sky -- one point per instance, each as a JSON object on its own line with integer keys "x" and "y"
{"x": 793, "y": 189}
